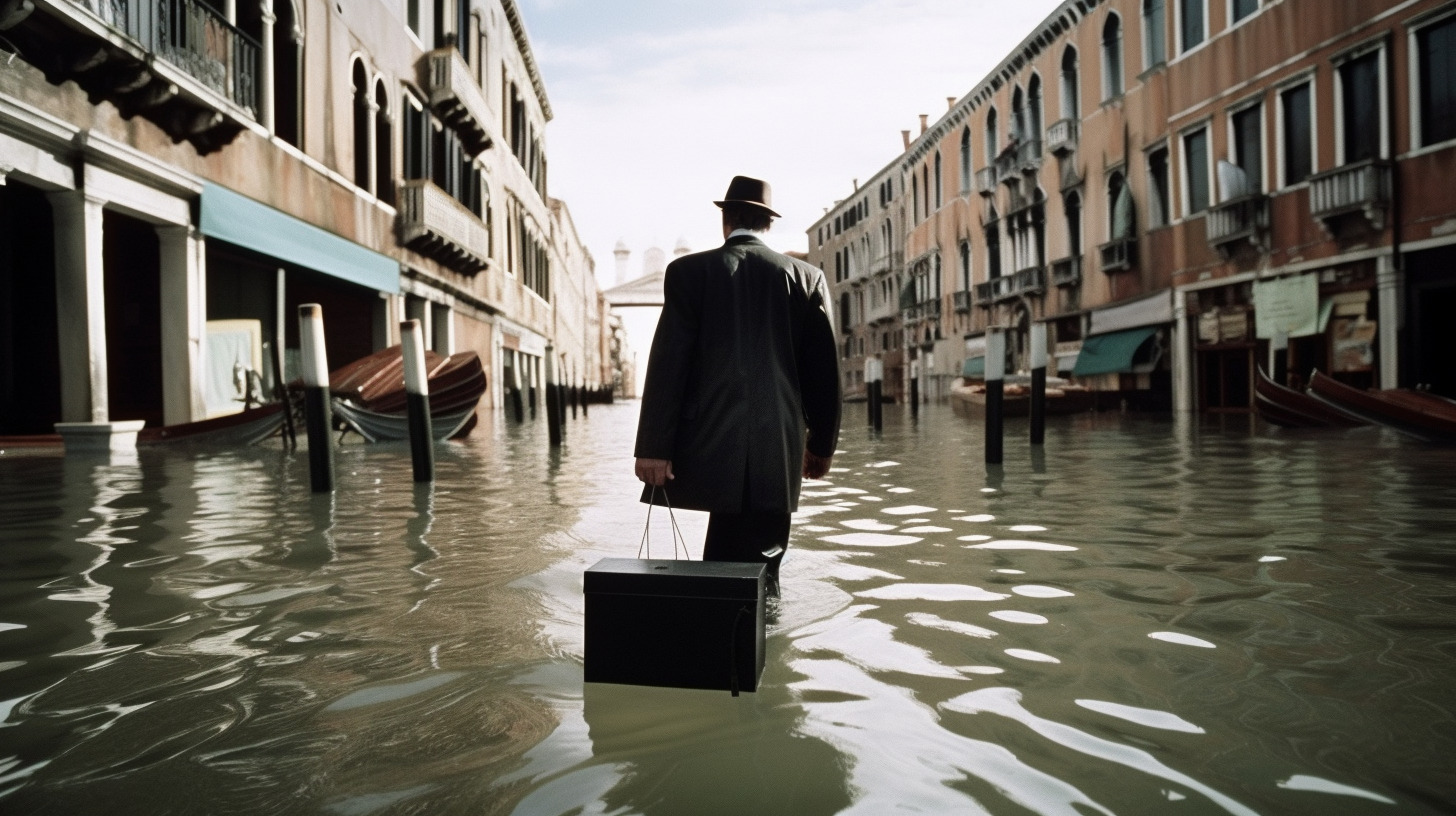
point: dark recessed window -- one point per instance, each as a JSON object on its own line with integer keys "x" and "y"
{"x": 1360, "y": 107}
{"x": 1195, "y": 176}
{"x": 1298, "y": 134}
{"x": 1436, "y": 45}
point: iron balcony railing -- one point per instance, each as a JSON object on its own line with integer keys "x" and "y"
{"x": 192, "y": 36}
{"x": 930, "y": 308}
{"x": 1238, "y": 219}
{"x": 986, "y": 181}
{"x": 1119, "y": 255}
{"x": 1025, "y": 282}
{"x": 1067, "y": 271}
{"x": 1007, "y": 166}
{"x": 963, "y": 301}
{"x": 1361, "y": 187}
{"x": 433, "y": 223}
{"x": 1061, "y": 136}
{"x": 457, "y": 100}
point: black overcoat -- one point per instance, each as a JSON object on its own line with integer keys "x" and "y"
{"x": 743, "y": 365}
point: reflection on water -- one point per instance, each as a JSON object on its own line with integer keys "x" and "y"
{"x": 1148, "y": 616}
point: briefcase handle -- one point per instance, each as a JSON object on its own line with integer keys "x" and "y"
{"x": 677, "y": 535}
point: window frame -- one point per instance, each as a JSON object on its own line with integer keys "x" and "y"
{"x": 1182, "y": 47}
{"x": 1243, "y": 106}
{"x": 1308, "y": 78}
{"x": 1148, "y": 62}
{"x": 1069, "y": 90}
{"x": 1165, "y": 201}
{"x": 1184, "y": 203}
{"x": 1109, "y": 71}
{"x": 1259, "y": 6}
{"x": 1379, "y": 48}
{"x": 1414, "y": 89}
{"x": 967, "y": 175}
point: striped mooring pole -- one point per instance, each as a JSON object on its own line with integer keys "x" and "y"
{"x": 417, "y": 401}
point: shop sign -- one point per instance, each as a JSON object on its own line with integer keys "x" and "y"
{"x": 1288, "y": 306}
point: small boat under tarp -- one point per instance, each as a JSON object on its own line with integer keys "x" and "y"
{"x": 377, "y": 427}
{"x": 1413, "y": 413}
{"x": 1286, "y": 407}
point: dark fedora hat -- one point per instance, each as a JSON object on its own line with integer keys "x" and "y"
{"x": 750, "y": 191}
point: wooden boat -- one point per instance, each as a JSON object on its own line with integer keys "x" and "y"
{"x": 369, "y": 394}
{"x": 1414, "y": 413}
{"x": 247, "y": 427}
{"x": 1283, "y": 406}
{"x": 379, "y": 427}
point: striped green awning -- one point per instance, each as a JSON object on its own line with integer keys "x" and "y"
{"x": 1112, "y": 352}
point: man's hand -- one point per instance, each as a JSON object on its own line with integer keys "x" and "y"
{"x": 655, "y": 472}
{"x": 815, "y": 466}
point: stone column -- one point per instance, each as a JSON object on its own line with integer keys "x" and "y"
{"x": 80, "y": 306}
{"x": 184, "y": 323}
{"x": 1388, "y": 290}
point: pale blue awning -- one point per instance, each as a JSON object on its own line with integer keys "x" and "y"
{"x": 240, "y": 220}
{"x": 974, "y": 367}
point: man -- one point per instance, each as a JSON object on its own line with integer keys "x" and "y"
{"x": 744, "y": 362}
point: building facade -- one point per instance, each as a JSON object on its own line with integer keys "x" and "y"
{"x": 181, "y": 174}
{"x": 1177, "y": 188}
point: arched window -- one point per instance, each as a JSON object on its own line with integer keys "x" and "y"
{"x": 1119, "y": 208}
{"x": 966, "y": 265}
{"x": 1072, "y": 204}
{"x": 1018, "y": 118}
{"x": 993, "y": 144}
{"x": 844, "y": 316}
{"x": 1112, "y": 57}
{"x": 915, "y": 198}
{"x": 383, "y": 144}
{"x": 966, "y": 160}
{"x": 362, "y": 104}
{"x": 938, "y": 199}
{"x": 1071, "y": 105}
{"x": 1033, "y": 108}
{"x": 993, "y": 245}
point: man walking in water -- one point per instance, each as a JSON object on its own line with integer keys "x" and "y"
{"x": 742, "y": 395}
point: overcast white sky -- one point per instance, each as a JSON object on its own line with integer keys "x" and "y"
{"x": 658, "y": 103}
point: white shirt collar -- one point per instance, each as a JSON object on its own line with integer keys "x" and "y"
{"x": 750, "y": 233}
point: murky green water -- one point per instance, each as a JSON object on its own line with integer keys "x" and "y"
{"x": 1150, "y": 618}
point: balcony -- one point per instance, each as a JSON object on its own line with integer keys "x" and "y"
{"x": 177, "y": 63}
{"x": 1061, "y": 137}
{"x": 1245, "y": 218}
{"x": 1008, "y": 167}
{"x": 457, "y": 100}
{"x": 1028, "y": 281}
{"x": 888, "y": 262}
{"x": 1067, "y": 271}
{"x": 436, "y": 225}
{"x": 930, "y": 308}
{"x": 1028, "y": 156}
{"x": 986, "y": 181}
{"x": 1119, "y": 255}
{"x": 882, "y": 312}
{"x": 1355, "y": 188}
{"x": 963, "y": 301}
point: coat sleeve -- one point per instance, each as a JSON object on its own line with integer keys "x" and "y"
{"x": 819, "y": 371}
{"x": 669, "y": 365}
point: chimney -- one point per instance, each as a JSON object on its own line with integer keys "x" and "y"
{"x": 905, "y": 137}
{"x": 856, "y": 185}
{"x": 924, "y": 122}
{"x": 950, "y": 103}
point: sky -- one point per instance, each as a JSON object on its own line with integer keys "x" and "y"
{"x": 658, "y": 103}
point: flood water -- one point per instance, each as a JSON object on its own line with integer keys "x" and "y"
{"x": 1151, "y": 617}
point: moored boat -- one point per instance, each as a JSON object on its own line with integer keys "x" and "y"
{"x": 1289, "y": 408}
{"x": 247, "y": 427}
{"x": 1061, "y": 399}
{"x": 1414, "y": 413}
{"x": 369, "y": 394}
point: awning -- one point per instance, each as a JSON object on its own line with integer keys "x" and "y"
{"x": 1110, "y": 353}
{"x": 976, "y": 346}
{"x": 1145, "y": 312}
{"x": 240, "y": 220}
{"x": 974, "y": 367}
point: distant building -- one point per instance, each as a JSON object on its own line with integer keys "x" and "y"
{"x": 1172, "y": 188}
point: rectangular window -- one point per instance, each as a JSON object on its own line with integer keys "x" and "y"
{"x": 416, "y": 140}
{"x": 1436, "y": 49}
{"x": 1191, "y": 29}
{"x": 1243, "y": 8}
{"x": 1298, "y": 134}
{"x": 1248, "y": 138}
{"x": 1155, "y": 33}
{"x": 1195, "y": 169}
{"x": 1360, "y": 107}
{"x": 1159, "y": 213}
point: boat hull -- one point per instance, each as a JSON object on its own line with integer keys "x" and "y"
{"x": 1412, "y": 413}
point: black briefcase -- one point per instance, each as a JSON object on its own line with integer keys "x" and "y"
{"x": 686, "y": 624}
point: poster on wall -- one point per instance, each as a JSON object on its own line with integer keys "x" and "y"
{"x": 1352, "y": 344}
{"x": 1288, "y": 306}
